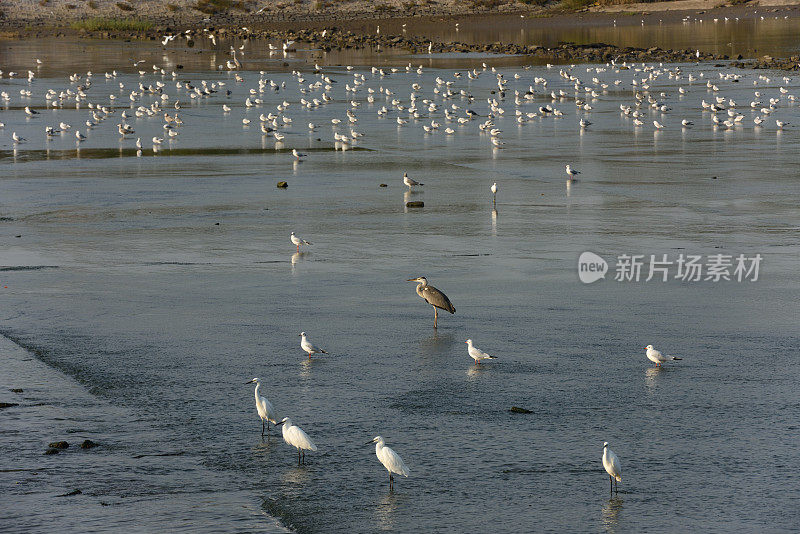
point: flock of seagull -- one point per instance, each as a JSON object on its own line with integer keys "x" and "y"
{"x": 447, "y": 105}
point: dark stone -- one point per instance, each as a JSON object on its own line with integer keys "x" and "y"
{"x": 52, "y": 451}
{"x": 415, "y": 204}
{"x": 88, "y": 444}
{"x": 517, "y": 409}
{"x": 383, "y": 185}
{"x": 59, "y": 445}
{"x": 16, "y": 390}
{"x": 8, "y": 404}
{"x": 71, "y": 493}
{"x": 283, "y": 185}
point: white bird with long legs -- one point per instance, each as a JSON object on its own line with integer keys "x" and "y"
{"x": 390, "y": 460}
{"x": 265, "y": 409}
{"x": 294, "y": 436}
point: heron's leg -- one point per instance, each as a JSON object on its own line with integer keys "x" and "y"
{"x": 262, "y": 428}
{"x": 435, "y": 316}
{"x": 298, "y": 456}
{"x": 611, "y": 481}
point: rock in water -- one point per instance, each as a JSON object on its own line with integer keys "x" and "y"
{"x": 283, "y": 185}
{"x": 59, "y": 445}
{"x": 415, "y": 204}
{"x": 517, "y": 409}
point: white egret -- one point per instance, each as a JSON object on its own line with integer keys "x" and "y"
{"x": 494, "y": 193}
{"x": 611, "y": 465}
{"x": 390, "y": 459}
{"x": 265, "y": 409}
{"x": 477, "y": 354}
{"x": 294, "y": 436}
{"x": 656, "y": 357}
{"x": 309, "y": 347}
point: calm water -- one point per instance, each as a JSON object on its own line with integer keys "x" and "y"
{"x": 147, "y": 290}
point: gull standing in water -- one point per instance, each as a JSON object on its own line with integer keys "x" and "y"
{"x": 299, "y": 241}
{"x": 265, "y": 409}
{"x": 433, "y": 296}
{"x": 294, "y": 436}
{"x": 410, "y": 182}
{"x": 309, "y": 347}
{"x": 656, "y": 357}
{"x": 571, "y": 172}
{"x": 390, "y": 459}
{"x": 477, "y": 354}
{"x": 494, "y": 193}
{"x": 611, "y": 465}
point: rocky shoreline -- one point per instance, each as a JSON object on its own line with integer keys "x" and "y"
{"x": 339, "y": 37}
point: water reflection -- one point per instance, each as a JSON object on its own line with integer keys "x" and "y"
{"x": 610, "y": 513}
{"x": 435, "y": 345}
{"x": 494, "y": 221}
{"x": 385, "y": 511}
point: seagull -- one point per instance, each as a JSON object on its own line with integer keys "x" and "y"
{"x": 297, "y": 155}
{"x": 685, "y": 122}
{"x": 611, "y": 465}
{"x": 433, "y": 296}
{"x": 656, "y": 357}
{"x": 299, "y": 241}
{"x": 79, "y": 136}
{"x": 265, "y": 409}
{"x": 477, "y": 354}
{"x": 30, "y": 112}
{"x": 17, "y": 138}
{"x": 571, "y": 172}
{"x": 658, "y": 125}
{"x": 410, "y": 182}
{"x": 494, "y": 192}
{"x": 390, "y": 459}
{"x": 309, "y": 347}
{"x": 294, "y": 436}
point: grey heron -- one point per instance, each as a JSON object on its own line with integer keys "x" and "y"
{"x": 433, "y": 296}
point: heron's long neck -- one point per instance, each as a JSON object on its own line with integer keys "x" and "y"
{"x": 258, "y": 385}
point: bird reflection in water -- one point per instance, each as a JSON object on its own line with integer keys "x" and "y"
{"x": 494, "y": 221}
{"x": 297, "y": 257}
{"x": 650, "y": 375}
{"x": 475, "y": 371}
{"x": 610, "y": 513}
{"x": 386, "y": 510}
{"x": 435, "y": 345}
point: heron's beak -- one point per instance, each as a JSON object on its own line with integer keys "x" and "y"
{"x": 370, "y": 441}
{"x": 248, "y": 382}
{"x": 413, "y": 280}
{"x": 278, "y": 423}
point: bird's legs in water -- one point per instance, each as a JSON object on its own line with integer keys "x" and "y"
{"x": 298, "y": 248}
{"x": 298, "y": 456}
{"x": 262, "y": 428}
{"x": 391, "y": 482}
{"x": 435, "y": 316}
{"x": 611, "y": 480}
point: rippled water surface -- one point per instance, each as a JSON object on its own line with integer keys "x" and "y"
{"x": 140, "y": 292}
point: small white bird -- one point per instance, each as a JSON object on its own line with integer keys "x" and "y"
{"x": 571, "y": 172}
{"x": 656, "y": 357}
{"x": 494, "y": 189}
{"x": 294, "y": 436}
{"x": 297, "y": 240}
{"x": 477, "y": 354}
{"x": 685, "y": 122}
{"x": 17, "y": 138}
{"x": 265, "y": 409}
{"x": 409, "y": 181}
{"x": 658, "y": 125}
{"x": 79, "y": 136}
{"x": 611, "y": 465}
{"x": 309, "y": 347}
{"x": 390, "y": 459}
{"x": 297, "y": 155}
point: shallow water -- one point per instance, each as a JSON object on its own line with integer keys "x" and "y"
{"x": 153, "y": 287}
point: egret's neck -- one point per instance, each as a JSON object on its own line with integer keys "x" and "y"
{"x": 258, "y": 385}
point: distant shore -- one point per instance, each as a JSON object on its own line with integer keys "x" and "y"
{"x": 355, "y": 24}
